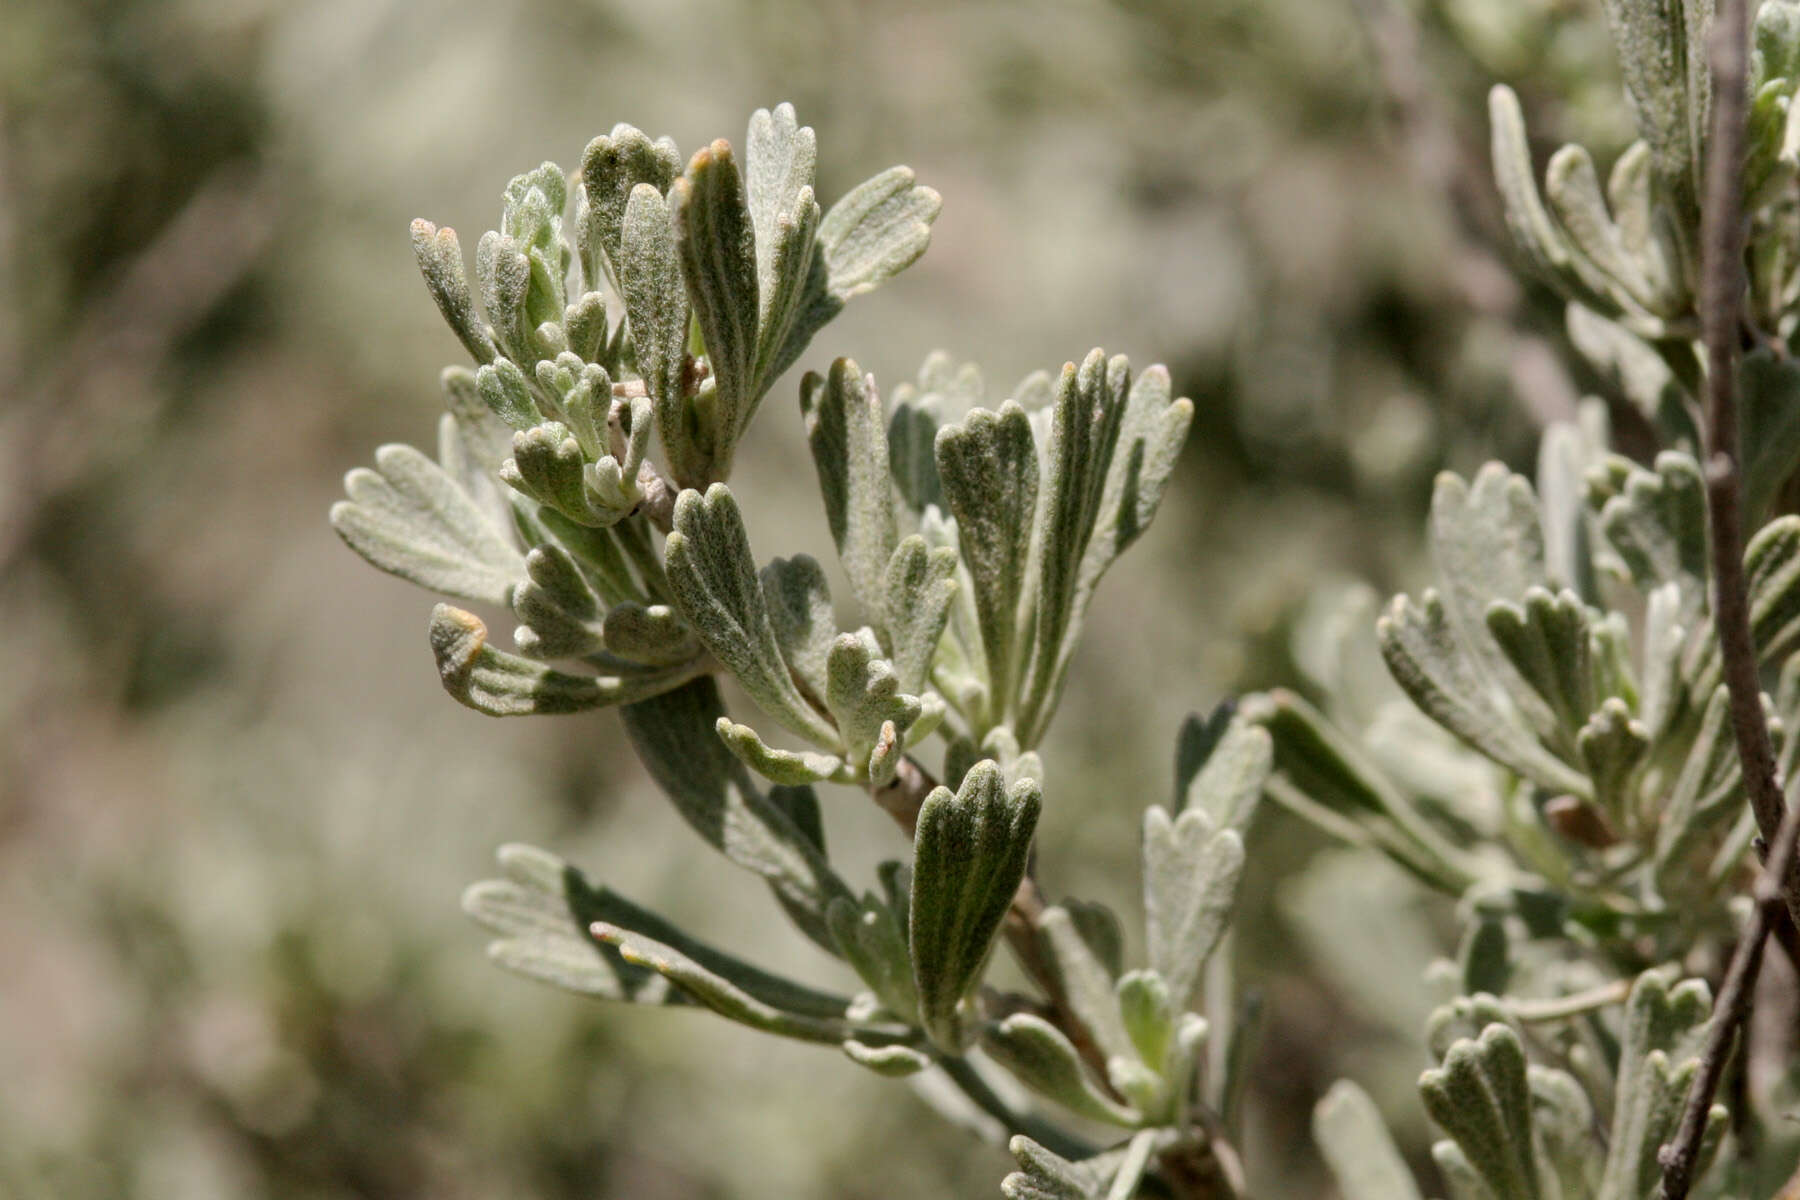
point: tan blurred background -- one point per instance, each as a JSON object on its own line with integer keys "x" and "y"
{"x": 236, "y": 809}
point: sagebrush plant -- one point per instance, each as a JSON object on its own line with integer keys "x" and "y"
{"x": 1558, "y": 739}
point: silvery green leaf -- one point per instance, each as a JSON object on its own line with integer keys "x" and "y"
{"x": 918, "y": 587}
{"x": 871, "y": 935}
{"x": 1099, "y": 927}
{"x": 1536, "y": 235}
{"x": 1631, "y": 195}
{"x": 601, "y": 555}
{"x": 1191, "y": 874}
{"x": 1048, "y": 1176}
{"x": 1772, "y": 567}
{"x": 780, "y": 766}
{"x": 1547, "y": 639}
{"x": 1636, "y": 371}
{"x": 919, "y": 408}
{"x": 734, "y": 990}
{"x": 1463, "y": 1019}
{"x": 1770, "y": 406}
{"x": 441, "y": 262}
{"x": 561, "y": 613}
{"x": 1148, "y": 1012}
{"x": 1664, "y": 1027}
{"x": 1487, "y": 545}
{"x": 503, "y": 269}
{"x": 1563, "y": 457}
{"x": 780, "y": 157}
{"x": 1564, "y": 1118}
{"x": 1195, "y": 742}
{"x": 1460, "y": 1178}
{"x": 714, "y": 582}
{"x": 1766, "y": 171}
{"x": 1086, "y": 982}
{"x": 1613, "y": 746}
{"x": 1133, "y": 1167}
{"x": 1358, "y": 1147}
{"x": 656, "y": 305}
{"x": 541, "y": 911}
{"x": 507, "y": 392}
{"x": 505, "y": 685}
{"x": 863, "y": 695}
{"x": 675, "y": 736}
{"x": 877, "y": 230}
{"x": 779, "y": 161}
{"x": 585, "y": 328}
{"x": 484, "y": 439}
{"x": 1573, "y": 188}
{"x": 1480, "y": 1098}
{"x": 988, "y": 466}
{"x": 1485, "y": 957}
{"x": 717, "y": 245}
{"x": 409, "y": 518}
{"x": 844, "y": 427}
{"x": 969, "y": 854}
{"x": 1040, "y": 1057}
{"x": 571, "y": 386}
{"x": 1153, "y": 428}
{"x": 801, "y": 805}
{"x": 872, "y": 234}
{"x": 1083, "y": 432}
{"x": 1428, "y": 661}
{"x": 1699, "y": 808}
{"x": 893, "y": 1060}
{"x": 1325, "y": 777}
{"x": 1662, "y": 690}
{"x": 1775, "y": 38}
{"x": 1657, "y": 525}
{"x": 531, "y": 222}
{"x": 1226, "y": 778}
{"x": 799, "y": 603}
{"x": 1662, "y": 56}
{"x": 547, "y": 465}
{"x": 612, "y": 166}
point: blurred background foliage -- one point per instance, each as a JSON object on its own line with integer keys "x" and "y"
{"x": 236, "y": 809}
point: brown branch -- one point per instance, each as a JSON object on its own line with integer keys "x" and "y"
{"x": 1722, "y": 285}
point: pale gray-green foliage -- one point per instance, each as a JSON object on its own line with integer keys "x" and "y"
{"x": 1567, "y": 641}
{"x": 1624, "y": 739}
{"x": 1358, "y": 1148}
{"x": 1628, "y": 258}
{"x": 580, "y": 484}
{"x": 969, "y": 855}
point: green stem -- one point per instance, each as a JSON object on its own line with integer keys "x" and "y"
{"x": 1051, "y": 1137}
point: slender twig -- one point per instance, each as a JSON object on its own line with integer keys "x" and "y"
{"x": 1722, "y": 283}
{"x": 659, "y": 496}
{"x": 1722, "y": 286}
{"x": 1563, "y": 1007}
{"x": 1053, "y": 1138}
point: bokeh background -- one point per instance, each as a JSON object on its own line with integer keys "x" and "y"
{"x": 236, "y": 809}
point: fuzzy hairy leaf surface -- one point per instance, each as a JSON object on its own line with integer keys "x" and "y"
{"x": 846, "y": 430}
{"x": 969, "y": 854}
{"x": 675, "y": 736}
{"x": 410, "y": 518}
{"x": 1191, "y": 875}
{"x": 1480, "y": 1098}
{"x": 716, "y": 589}
{"x": 505, "y": 685}
{"x": 1358, "y": 1147}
